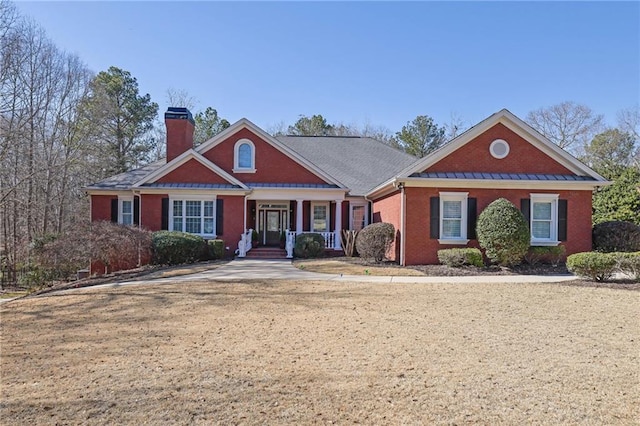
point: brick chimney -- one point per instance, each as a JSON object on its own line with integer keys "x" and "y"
{"x": 180, "y": 126}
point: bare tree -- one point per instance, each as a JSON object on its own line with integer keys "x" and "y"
{"x": 569, "y": 125}
{"x": 45, "y": 155}
{"x": 181, "y": 98}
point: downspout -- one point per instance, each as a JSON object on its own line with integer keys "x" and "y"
{"x": 403, "y": 212}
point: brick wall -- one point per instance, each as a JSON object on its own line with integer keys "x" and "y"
{"x": 475, "y": 156}
{"x": 420, "y": 249}
{"x": 271, "y": 164}
{"x": 387, "y": 209}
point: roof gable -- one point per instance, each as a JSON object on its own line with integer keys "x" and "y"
{"x": 245, "y": 127}
{"x": 525, "y": 139}
{"x": 182, "y": 169}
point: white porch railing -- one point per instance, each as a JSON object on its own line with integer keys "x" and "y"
{"x": 329, "y": 241}
{"x": 244, "y": 245}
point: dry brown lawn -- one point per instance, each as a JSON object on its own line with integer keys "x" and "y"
{"x": 317, "y": 352}
{"x": 353, "y": 267}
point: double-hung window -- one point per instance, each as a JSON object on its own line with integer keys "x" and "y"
{"x": 193, "y": 216}
{"x": 453, "y": 218}
{"x": 544, "y": 219}
{"x": 125, "y": 210}
{"x": 358, "y": 216}
{"x": 320, "y": 217}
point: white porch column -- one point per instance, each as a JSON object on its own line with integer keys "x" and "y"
{"x": 337, "y": 243}
{"x": 298, "y": 217}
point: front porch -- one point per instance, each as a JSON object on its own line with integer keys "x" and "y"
{"x": 277, "y": 222}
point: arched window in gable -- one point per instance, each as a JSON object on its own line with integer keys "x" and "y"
{"x": 244, "y": 157}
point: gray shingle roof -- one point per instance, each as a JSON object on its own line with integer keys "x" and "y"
{"x": 127, "y": 179}
{"x": 359, "y": 163}
{"x": 501, "y": 176}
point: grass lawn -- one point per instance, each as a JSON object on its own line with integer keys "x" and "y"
{"x": 317, "y": 352}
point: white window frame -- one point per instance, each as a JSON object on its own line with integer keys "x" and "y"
{"x": 545, "y": 198}
{"x": 353, "y": 204}
{"x": 236, "y": 157}
{"x": 200, "y": 198}
{"x": 121, "y": 201}
{"x": 327, "y": 217}
{"x": 462, "y": 197}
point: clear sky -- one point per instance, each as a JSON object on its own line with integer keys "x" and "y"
{"x": 355, "y": 62}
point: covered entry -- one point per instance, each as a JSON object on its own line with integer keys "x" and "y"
{"x": 272, "y": 221}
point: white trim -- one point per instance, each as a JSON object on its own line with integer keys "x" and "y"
{"x": 492, "y": 149}
{"x": 182, "y": 159}
{"x": 202, "y": 198}
{"x": 553, "y": 185}
{"x": 327, "y": 217}
{"x": 461, "y": 197}
{"x": 121, "y": 200}
{"x": 553, "y": 200}
{"x": 244, "y": 123}
{"x": 519, "y": 127}
{"x": 307, "y": 194}
{"x": 236, "y": 157}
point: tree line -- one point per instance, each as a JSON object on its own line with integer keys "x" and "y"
{"x": 63, "y": 126}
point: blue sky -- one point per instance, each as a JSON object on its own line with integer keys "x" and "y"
{"x": 356, "y": 62}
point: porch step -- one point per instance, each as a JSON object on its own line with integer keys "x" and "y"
{"x": 266, "y": 253}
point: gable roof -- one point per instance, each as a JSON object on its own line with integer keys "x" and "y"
{"x": 182, "y": 159}
{"x": 244, "y": 123}
{"x": 360, "y": 163}
{"x": 519, "y": 127}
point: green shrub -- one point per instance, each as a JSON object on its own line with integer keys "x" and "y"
{"x": 629, "y": 263}
{"x": 545, "y": 254}
{"x": 215, "y": 249}
{"x": 593, "y": 265}
{"x": 309, "y": 245}
{"x": 174, "y": 248}
{"x": 503, "y": 233}
{"x": 460, "y": 256}
{"x": 616, "y": 236}
{"x": 374, "y": 241}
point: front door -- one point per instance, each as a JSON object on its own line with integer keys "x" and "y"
{"x": 272, "y": 227}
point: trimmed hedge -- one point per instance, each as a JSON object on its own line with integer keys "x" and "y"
{"x": 174, "y": 248}
{"x": 374, "y": 241}
{"x": 309, "y": 245}
{"x": 629, "y": 263}
{"x": 457, "y": 257}
{"x": 593, "y": 265}
{"x": 215, "y": 249}
{"x": 615, "y": 236}
{"x": 545, "y": 254}
{"x": 503, "y": 233}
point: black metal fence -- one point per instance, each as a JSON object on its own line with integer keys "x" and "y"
{"x": 10, "y": 277}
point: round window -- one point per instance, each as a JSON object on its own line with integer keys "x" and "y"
{"x": 499, "y": 148}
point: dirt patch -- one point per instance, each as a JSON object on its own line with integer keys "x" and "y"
{"x": 316, "y": 352}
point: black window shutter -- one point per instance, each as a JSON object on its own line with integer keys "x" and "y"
{"x": 562, "y": 220}
{"x": 219, "y": 216}
{"x": 525, "y": 208}
{"x": 136, "y": 210}
{"x": 434, "y": 221}
{"x": 472, "y": 215}
{"x": 165, "y": 215}
{"x": 114, "y": 210}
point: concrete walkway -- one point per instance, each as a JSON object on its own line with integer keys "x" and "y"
{"x": 248, "y": 269}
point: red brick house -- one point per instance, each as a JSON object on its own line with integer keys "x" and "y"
{"x": 244, "y": 179}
